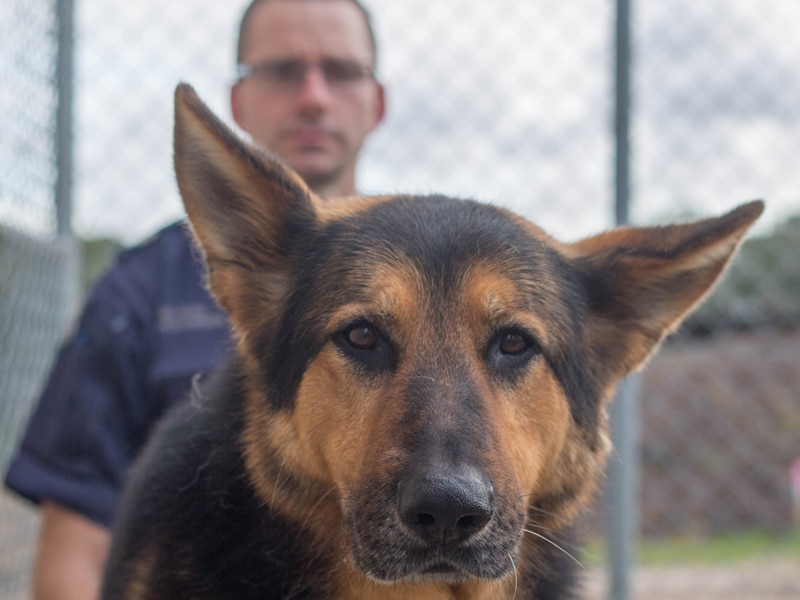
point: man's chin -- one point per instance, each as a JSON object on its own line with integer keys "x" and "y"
{"x": 315, "y": 172}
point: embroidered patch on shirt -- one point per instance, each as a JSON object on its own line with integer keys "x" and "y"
{"x": 189, "y": 317}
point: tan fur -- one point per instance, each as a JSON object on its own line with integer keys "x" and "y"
{"x": 143, "y": 571}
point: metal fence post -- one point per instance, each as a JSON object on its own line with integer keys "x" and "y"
{"x": 63, "y": 128}
{"x": 622, "y": 527}
{"x": 64, "y": 151}
{"x": 622, "y": 112}
{"x": 623, "y": 496}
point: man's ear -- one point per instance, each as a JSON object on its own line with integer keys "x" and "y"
{"x": 247, "y": 211}
{"x": 381, "y": 104}
{"x": 236, "y": 104}
{"x": 642, "y": 282}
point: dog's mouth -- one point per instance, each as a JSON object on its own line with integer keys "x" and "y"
{"x": 439, "y": 569}
{"x": 427, "y": 565}
{"x": 445, "y": 572}
{"x": 438, "y": 572}
{"x": 388, "y": 554}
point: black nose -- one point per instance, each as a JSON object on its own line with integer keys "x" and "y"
{"x": 446, "y": 506}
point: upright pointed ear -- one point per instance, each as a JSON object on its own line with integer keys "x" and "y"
{"x": 247, "y": 212}
{"x": 642, "y": 282}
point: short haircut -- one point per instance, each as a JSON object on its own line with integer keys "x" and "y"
{"x": 247, "y": 16}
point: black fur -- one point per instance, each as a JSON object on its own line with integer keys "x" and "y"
{"x": 189, "y": 491}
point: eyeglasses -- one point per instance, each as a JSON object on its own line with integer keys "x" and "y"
{"x": 288, "y": 75}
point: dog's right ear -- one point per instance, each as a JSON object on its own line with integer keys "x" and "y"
{"x": 247, "y": 211}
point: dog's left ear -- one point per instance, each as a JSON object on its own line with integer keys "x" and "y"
{"x": 247, "y": 211}
{"x": 642, "y": 282}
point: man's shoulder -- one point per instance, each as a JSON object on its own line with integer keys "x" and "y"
{"x": 163, "y": 268}
{"x": 171, "y": 242}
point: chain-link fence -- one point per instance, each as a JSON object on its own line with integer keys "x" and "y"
{"x": 506, "y": 101}
{"x": 34, "y": 263}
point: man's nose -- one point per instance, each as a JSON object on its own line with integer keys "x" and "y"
{"x": 314, "y": 89}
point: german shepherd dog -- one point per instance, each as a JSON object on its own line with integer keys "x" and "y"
{"x": 416, "y": 405}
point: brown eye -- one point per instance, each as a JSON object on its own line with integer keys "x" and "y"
{"x": 510, "y": 351}
{"x": 362, "y": 337}
{"x": 513, "y": 344}
{"x": 366, "y": 346}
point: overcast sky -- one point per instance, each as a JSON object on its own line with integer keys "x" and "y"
{"x": 508, "y": 102}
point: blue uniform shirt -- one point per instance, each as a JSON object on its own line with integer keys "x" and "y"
{"x": 148, "y": 331}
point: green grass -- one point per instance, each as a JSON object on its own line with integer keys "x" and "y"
{"x": 730, "y": 548}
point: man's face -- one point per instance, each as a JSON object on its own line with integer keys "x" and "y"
{"x": 314, "y": 125}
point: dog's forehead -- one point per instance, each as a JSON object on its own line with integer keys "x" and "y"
{"x": 439, "y": 235}
{"x": 437, "y": 252}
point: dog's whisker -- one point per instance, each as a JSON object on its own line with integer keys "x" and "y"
{"x": 516, "y": 576}
{"x": 540, "y": 511}
{"x": 549, "y": 541}
{"x": 533, "y": 558}
{"x": 530, "y": 523}
{"x": 316, "y": 504}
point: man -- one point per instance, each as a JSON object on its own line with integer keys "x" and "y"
{"x": 149, "y": 329}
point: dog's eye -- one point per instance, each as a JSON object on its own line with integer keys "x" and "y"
{"x": 513, "y": 343}
{"x": 366, "y": 346}
{"x": 362, "y": 336}
{"x": 509, "y": 350}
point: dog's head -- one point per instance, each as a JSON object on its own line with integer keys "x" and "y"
{"x": 426, "y": 374}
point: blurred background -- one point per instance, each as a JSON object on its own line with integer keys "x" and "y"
{"x": 509, "y": 102}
